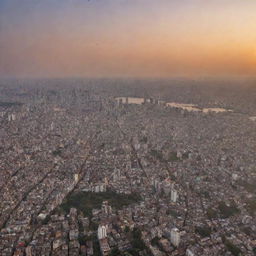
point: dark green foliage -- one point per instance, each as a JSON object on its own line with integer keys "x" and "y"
{"x": 134, "y": 252}
{"x": 115, "y": 252}
{"x": 137, "y": 242}
{"x": 96, "y": 248}
{"x": 126, "y": 229}
{"x": 211, "y": 213}
{"x": 173, "y": 213}
{"x": 86, "y": 201}
{"x": 144, "y": 139}
{"x": 154, "y": 241}
{"x": 247, "y": 231}
{"x": 251, "y": 205}
{"x": 206, "y": 194}
{"x": 185, "y": 155}
{"x": 203, "y": 231}
{"x": 46, "y": 220}
{"x": 82, "y": 239}
{"x": 93, "y": 226}
{"x": 126, "y": 254}
{"x": 57, "y": 152}
{"x": 172, "y": 157}
{"x": 227, "y": 211}
{"x": 249, "y": 187}
{"x": 157, "y": 154}
{"x": 231, "y": 247}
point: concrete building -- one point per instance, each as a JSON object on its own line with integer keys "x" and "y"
{"x": 106, "y": 208}
{"x": 116, "y": 175}
{"x": 174, "y": 195}
{"x": 102, "y": 232}
{"x": 76, "y": 177}
{"x": 175, "y": 237}
{"x": 11, "y": 117}
{"x": 104, "y": 247}
{"x": 189, "y": 253}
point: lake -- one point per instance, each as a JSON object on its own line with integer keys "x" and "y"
{"x": 184, "y": 106}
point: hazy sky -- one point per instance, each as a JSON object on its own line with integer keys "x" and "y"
{"x": 56, "y": 38}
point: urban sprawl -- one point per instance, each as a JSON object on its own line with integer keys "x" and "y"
{"x": 88, "y": 172}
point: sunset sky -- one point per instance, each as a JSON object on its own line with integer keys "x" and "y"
{"x": 142, "y": 38}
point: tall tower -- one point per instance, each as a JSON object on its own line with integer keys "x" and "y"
{"x": 76, "y": 177}
{"x": 175, "y": 237}
{"x": 102, "y": 232}
{"x": 174, "y": 195}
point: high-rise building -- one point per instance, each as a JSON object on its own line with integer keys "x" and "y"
{"x": 189, "y": 253}
{"x": 28, "y": 251}
{"x": 76, "y": 177}
{"x": 234, "y": 176}
{"x": 106, "y": 208}
{"x": 102, "y": 232}
{"x": 174, "y": 195}
{"x": 175, "y": 237}
{"x": 116, "y": 175}
{"x": 102, "y": 187}
{"x": 97, "y": 189}
{"x": 11, "y": 117}
{"x": 157, "y": 185}
{"x": 104, "y": 247}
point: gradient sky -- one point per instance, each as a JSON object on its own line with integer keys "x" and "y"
{"x": 61, "y": 38}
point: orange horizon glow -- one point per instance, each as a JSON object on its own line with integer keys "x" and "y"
{"x": 142, "y": 38}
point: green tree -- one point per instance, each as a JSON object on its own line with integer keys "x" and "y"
{"x": 115, "y": 252}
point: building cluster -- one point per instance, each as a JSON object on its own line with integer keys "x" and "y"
{"x": 192, "y": 177}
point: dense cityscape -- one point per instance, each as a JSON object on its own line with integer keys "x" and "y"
{"x": 116, "y": 168}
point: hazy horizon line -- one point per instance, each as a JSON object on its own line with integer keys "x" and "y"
{"x": 123, "y": 77}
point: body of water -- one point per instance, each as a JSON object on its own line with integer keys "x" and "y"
{"x": 184, "y": 106}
